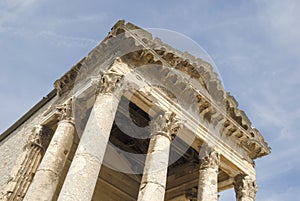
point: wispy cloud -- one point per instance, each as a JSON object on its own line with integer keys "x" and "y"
{"x": 67, "y": 41}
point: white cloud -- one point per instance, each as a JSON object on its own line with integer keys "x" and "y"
{"x": 67, "y": 41}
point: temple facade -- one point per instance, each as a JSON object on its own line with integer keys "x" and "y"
{"x": 135, "y": 119}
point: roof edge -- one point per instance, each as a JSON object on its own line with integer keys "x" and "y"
{"x": 28, "y": 114}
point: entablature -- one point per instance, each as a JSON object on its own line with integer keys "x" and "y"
{"x": 153, "y": 99}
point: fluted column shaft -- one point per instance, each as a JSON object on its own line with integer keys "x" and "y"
{"x": 27, "y": 165}
{"x": 47, "y": 177}
{"x": 82, "y": 176}
{"x": 154, "y": 179}
{"x": 208, "y": 177}
{"x": 245, "y": 188}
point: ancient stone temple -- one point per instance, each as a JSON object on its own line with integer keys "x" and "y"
{"x": 136, "y": 119}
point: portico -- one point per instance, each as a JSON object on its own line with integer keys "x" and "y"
{"x": 145, "y": 131}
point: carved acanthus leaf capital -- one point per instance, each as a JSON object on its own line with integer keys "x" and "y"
{"x": 109, "y": 81}
{"x": 210, "y": 160}
{"x": 166, "y": 124}
{"x": 40, "y": 136}
{"x": 65, "y": 111}
{"x": 245, "y": 187}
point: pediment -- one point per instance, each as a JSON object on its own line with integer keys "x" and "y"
{"x": 192, "y": 81}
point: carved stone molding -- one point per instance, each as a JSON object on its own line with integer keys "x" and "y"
{"x": 66, "y": 82}
{"x": 210, "y": 160}
{"x": 245, "y": 187}
{"x": 167, "y": 124}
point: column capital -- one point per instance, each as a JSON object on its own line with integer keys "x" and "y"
{"x": 245, "y": 187}
{"x": 108, "y": 81}
{"x": 210, "y": 160}
{"x": 40, "y": 136}
{"x": 65, "y": 111}
{"x": 167, "y": 124}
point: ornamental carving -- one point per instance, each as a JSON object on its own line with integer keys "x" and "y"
{"x": 40, "y": 137}
{"x": 109, "y": 81}
{"x": 245, "y": 187}
{"x": 65, "y": 111}
{"x": 66, "y": 82}
{"x": 167, "y": 124}
{"x": 210, "y": 160}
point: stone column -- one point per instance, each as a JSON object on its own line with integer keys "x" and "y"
{"x": 26, "y": 167}
{"x": 208, "y": 177}
{"x": 245, "y": 188}
{"x": 82, "y": 176}
{"x": 46, "y": 179}
{"x": 153, "y": 184}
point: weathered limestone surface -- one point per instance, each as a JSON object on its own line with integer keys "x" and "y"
{"x": 153, "y": 183}
{"x": 11, "y": 148}
{"x": 208, "y": 177}
{"x": 83, "y": 173}
{"x": 245, "y": 188}
{"x": 48, "y": 174}
{"x": 28, "y": 162}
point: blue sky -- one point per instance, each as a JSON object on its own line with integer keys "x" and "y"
{"x": 255, "y": 45}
